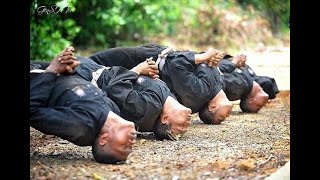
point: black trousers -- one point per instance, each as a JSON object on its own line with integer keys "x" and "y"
{"x": 268, "y": 85}
{"x": 39, "y": 64}
{"x": 127, "y": 57}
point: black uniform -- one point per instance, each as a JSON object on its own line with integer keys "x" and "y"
{"x": 238, "y": 82}
{"x": 139, "y": 98}
{"x": 268, "y": 85}
{"x": 127, "y": 57}
{"x": 68, "y": 107}
{"x": 193, "y": 85}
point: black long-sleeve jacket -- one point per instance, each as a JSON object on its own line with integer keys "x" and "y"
{"x": 68, "y": 107}
{"x": 139, "y": 98}
{"x": 127, "y": 57}
{"x": 237, "y": 82}
{"x": 268, "y": 84}
{"x": 193, "y": 85}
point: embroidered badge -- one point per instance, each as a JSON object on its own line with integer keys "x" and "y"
{"x": 78, "y": 91}
{"x": 238, "y": 70}
{"x": 140, "y": 80}
{"x": 250, "y": 71}
{"x": 203, "y": 65}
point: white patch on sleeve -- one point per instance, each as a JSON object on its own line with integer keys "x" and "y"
{"x": 37, "y": 71}
{"x": 140, "y": 80}
{"x": 238, "y": 70}
{"x": 250, "y": 70}
{"x": 203, "y": 65}
{"x": 79, "y": 91}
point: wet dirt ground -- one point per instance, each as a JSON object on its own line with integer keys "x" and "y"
{"x": 245, "y": 146}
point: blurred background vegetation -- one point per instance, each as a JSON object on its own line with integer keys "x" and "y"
{"x": 90, "y": 26}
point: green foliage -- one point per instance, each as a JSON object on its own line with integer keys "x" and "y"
{"x": 100, "y": 24}
{"x": 106, "y": 23}
{"x": 51, "y": 29}
{"x": 276, "y": 11}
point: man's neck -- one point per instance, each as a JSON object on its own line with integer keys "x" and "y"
{"x": 219, "y": 96}
{"x": 110, "y": 121}
{"x": 168, "y": 105}
{"x": 255, "y": 89}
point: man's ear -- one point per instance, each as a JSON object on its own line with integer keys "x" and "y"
{"x": 251, "y": 100}
{"x": 212, "y": 107}
{"x": 103, "y": 139}
{"x": 164, "y": 119}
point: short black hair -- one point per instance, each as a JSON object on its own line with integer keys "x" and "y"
{"x": 244, "y": 105}
{"x": 103, "y": 156}
{"x": 206, "y": 116}
{"x": 161, "y": 131}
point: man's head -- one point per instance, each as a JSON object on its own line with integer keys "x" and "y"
{"x": 115, "y": 141}
{"x": 161, "y": 131}
{"x": 174, "y": 120}
{"x": 255, "y": 100}
{"x": 217, "y": 110}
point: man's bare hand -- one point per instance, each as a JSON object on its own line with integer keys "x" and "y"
{"x": 216, "y": 56}
{"x": 64, "y": 63}
{"x": 212, "y": 57}
{"x": 147, "y": 68}
{"x": 240, "y": 60}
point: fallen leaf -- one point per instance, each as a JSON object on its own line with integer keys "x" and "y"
{"x": 248, "y": 164}
{"x": 96, "y": 176}
{"x": 142, "y": 141}
{"x": 220, "y": 165}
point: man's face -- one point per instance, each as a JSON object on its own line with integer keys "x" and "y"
{"x": 259, "y": 101}
{"x": 220, "y": 107}
{"x": 222, "y": 113}
{"x": 121, "y": 140}
{"x": 180, "y": 121}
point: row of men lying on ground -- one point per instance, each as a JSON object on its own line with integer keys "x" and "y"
{"x": 101, "y": 100}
